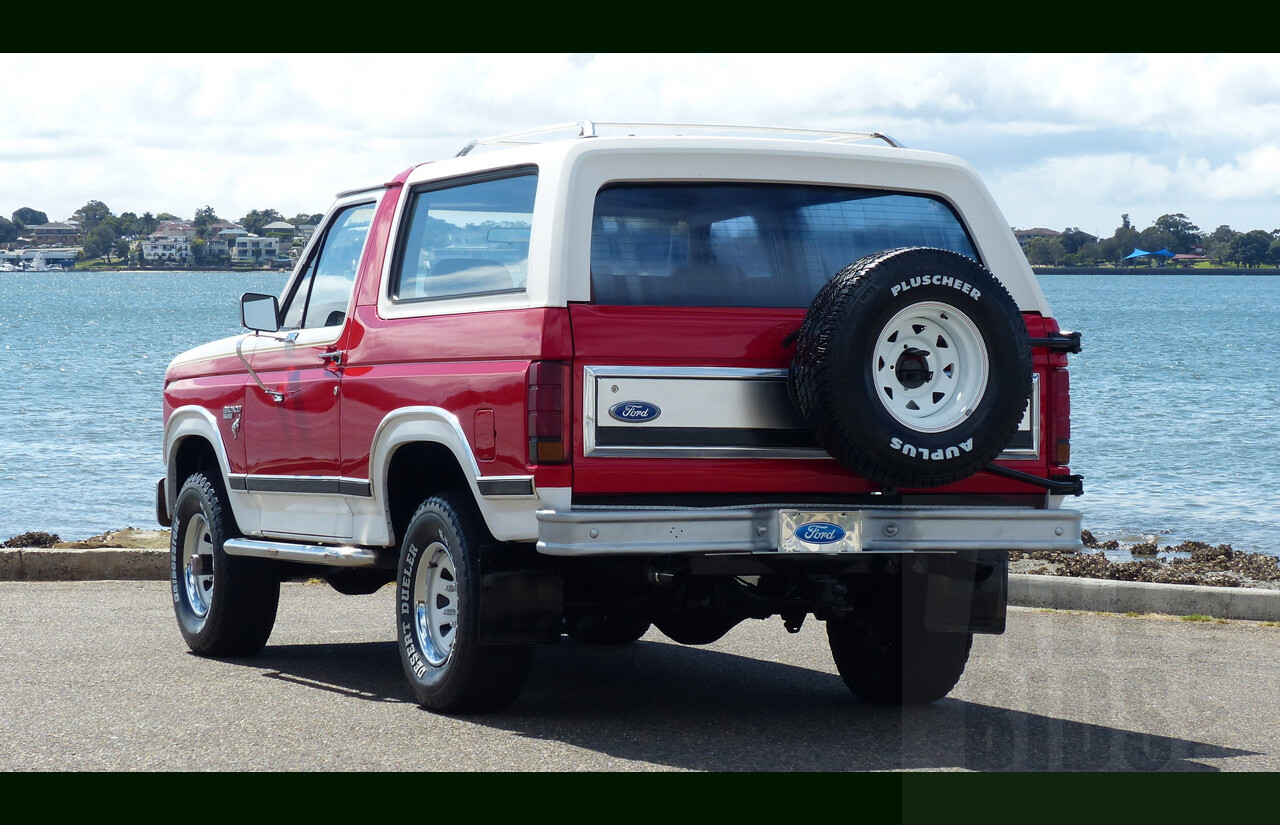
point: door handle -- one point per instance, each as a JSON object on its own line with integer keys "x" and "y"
{"x": 333, "y": 356}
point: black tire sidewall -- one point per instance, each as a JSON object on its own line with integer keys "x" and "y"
{"x": 885, "y": 655}
{"x": 194, "y": 499}
{"x": 246, "y": 591}
{"x": 473, "y": 677}
{"x": 430, "y": 524}
{"x": 835, "y": 387}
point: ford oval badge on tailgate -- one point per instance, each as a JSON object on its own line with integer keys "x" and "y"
{"x": 634, "y": 412}
{"x": 819, "y": 532}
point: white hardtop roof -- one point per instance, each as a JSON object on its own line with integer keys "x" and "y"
{"x": 554, "y": 146}
{"x": 592, "y": 128}
{"x": 581, "y": 157}
{"x": 560, "y": 141}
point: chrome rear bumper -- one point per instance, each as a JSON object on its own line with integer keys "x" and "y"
{"x": 591, "y": 531}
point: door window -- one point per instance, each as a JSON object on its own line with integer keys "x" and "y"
{"x": 321, "y": 295}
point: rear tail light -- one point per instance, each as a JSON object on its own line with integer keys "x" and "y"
{"x": 548, "y": 412}
{"x": 1057, "y": 391}
{"x": 1060, "y": 416}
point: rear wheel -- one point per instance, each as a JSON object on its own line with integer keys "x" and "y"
{"x": 438, "y": 613}
{"x": 225, "y": 605}
{"x": 885, "y": 655}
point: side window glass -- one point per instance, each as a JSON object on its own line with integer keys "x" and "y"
{"x": 321, "y": 294}
{"x": 468, "y": 239}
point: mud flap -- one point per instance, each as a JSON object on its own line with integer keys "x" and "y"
{"x": 520, "y": 607}
{"x": 967, "y": 592}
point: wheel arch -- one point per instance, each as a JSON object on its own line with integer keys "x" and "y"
{"x": 192, "y": 443}
{"x": 421, "y": 451}
{"x": 406, "y": 486}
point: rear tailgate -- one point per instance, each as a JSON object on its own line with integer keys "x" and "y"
{"x": 680, "y": 400}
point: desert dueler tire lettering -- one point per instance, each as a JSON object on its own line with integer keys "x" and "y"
{"x": 438, "y": 613}
{"x": 225, "y": 605}
{"x": 912, "y": 367}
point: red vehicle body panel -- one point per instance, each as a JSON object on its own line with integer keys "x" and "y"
{"x": 738, "y": 337}
{"x": 447, "y": 363}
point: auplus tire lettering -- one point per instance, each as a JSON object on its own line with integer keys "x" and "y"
{"x": 924, "y": 454}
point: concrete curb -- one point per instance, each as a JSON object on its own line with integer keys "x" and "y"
{"x": 1025, "y": 589}
{"x": 1069, "y": 593}
{"x": 84, "y": 565}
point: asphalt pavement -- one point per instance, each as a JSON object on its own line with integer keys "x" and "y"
{"x": 95, "y": 677}
{"x": 1025, "y": 589}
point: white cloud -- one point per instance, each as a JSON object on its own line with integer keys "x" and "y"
{"x": 1062, "y": 139}
{"x": 1254, "y": 176}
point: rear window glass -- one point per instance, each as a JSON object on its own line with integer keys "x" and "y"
{"x": 764, "y": 245}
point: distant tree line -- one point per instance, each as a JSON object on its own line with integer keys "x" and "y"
{"x": 104, "y": 234}
{"x": 1172, "y": 232}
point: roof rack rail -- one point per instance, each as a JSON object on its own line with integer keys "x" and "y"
{"x": 592, "y": 128}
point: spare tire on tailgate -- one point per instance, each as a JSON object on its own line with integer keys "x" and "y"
{"x": 912, "y": 367}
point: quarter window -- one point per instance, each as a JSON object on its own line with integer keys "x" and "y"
{"x": 467, "y": 239}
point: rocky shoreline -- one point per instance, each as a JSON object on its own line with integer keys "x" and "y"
{"x": 1190, "y": 562}
{"x": 127, "y": 538}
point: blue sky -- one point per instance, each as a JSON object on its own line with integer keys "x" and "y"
{"x": 1061, "y": 139}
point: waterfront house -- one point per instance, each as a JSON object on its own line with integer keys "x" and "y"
{"x": 250, "y": 248}
{"x": 53, "y": 234}
{"x": 175, "y": 229}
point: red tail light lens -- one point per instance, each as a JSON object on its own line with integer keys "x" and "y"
{"x": 548, "y": 419}
{"x": 1060, "y": 415}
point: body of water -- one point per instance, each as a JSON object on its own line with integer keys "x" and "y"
{"x": 1175, "y": 424}
{"x": 1176, "y": 405}
{"x": 82, "y": 361}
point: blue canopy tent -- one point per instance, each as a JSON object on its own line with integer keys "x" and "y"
{"x": 1139, "y": 253}
{"x": 1142, "y": 253}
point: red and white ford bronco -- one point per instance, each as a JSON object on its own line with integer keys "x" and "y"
{"x": 598, "y": 379}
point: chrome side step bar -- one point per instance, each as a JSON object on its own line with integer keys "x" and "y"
{"x": 312, "y": 553}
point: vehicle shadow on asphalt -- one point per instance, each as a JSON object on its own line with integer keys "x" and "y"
{"x": 364, "y": 670}
{"x": 701, "y": 709}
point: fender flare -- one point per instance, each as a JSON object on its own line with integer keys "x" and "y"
{"x": 510, "y": 515}
{"x": 191, "y": 421}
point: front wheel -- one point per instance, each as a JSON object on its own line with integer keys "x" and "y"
{"x": 225, "y": 605}
{"x": 438, "y": 613}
